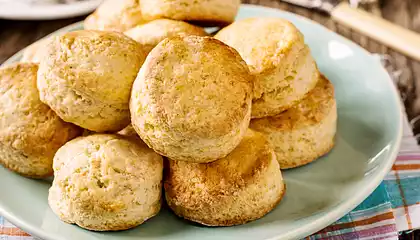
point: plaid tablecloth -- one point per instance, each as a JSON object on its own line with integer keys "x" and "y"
{"x": 394, "y": 206}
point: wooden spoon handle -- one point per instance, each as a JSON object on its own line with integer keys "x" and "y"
{"x": 385, "y": 32}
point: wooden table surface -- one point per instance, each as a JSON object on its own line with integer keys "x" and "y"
{"x": 15, "y": 35}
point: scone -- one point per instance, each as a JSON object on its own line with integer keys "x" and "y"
{"x": 242, "y": 187}
{"x": 278, "y": 57}
{"x": 191, "y": 100}
{"x": 304, "y": 132}
{"x": 150, "y": 34}
{"x": 33, "y": 53}
{"x": 86, "y": 77}
{"x": 30, "y": 132}
{"x": 115, "y": 15}
{"x": 104, "y": 182}
{"x": 206, "y": 13}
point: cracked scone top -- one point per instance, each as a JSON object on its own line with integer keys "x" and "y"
{"x": 209, "y": 13}
{"x": 304, "y": 132}
{"x": 115, "y": 15}
{"x": 30, "y": 132}
{"x": 191, "y": 100}
{"x": 150, "y": 34}
{"x": 106, "y": 182}
{"x": 242, "y": 187}
{"x": 278, "y": 57}
{"x": 86, "y": 77}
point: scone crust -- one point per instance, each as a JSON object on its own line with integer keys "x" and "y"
{"x": 209, "y": 13}
{"x": 300, "y": 83}
{"x": 112, "y": 184}
{"x": 304, "y": 132}
{"x": 86, "y": 77}
{"x": 191, "y": 100}
{"x": 150, "y": 34}
{"x": 115, "y": 15}
{"x": 278, "y": 57}
{"x": 30, "y": 132}
{"x": 229, "y": 191}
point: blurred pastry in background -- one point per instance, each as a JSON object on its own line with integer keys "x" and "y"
{"x": 207, "y": 13}
{"x": 30, "y": 132}
{"x": 242, "y": 187}
{"x": 86, "y": 77}
{"x": 305, "y": 132}
{"x": 113, "y": 183}
{"x": 150, "y": 34}
{"x": 278, "y": 57}
{"x": 115, "y": 15}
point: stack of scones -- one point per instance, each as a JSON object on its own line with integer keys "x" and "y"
{"x": 144, "y": 105}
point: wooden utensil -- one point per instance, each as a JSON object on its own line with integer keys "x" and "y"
{"x": 379, "y": 29}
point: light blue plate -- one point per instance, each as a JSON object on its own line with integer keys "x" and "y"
{"x": 369, "y": 134}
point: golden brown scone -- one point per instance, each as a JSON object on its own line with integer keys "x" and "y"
{"x": 150, "y": 34}
{"x": 304, "y": 132}
{"x": 278, "y": 57}
{"x": 207, "y": 13}
{"x": 34, "y": 51}
{"x": 105, "y": 182}
{"x": 86, "y": 77}
{"x": 115, "y": 15}
{"x": 242, "y": 187}
{"x": 191, "y": 100}
{"x": 30, "y": 132}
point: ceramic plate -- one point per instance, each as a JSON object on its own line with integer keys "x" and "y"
{"x": 368, "y": 137}
{"x": 18, "y": 10}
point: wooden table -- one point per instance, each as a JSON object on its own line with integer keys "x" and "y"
{"x": 15, "y": 35}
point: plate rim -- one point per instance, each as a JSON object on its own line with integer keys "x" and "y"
{"x": 323, "y": 221}
{"x": 49, "y": 12}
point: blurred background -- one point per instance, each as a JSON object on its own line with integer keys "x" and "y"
{"x": 23, "y": 22}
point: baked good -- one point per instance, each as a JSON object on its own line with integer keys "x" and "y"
{"x": 304, "y": 132}
{"x": 30, "y": 132}
{"x": 115, "y": 15}
{"x": 208, "y": 13}
{"x": 150, "y": 34}
{"x": 191, "y": 100}
{"x": 242, "y": 187}
{"x": 278, "y": 57}
{"x": 113, "y": 183}
{"x": 86, "y": 77}
{"x": 34, "y": 51}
